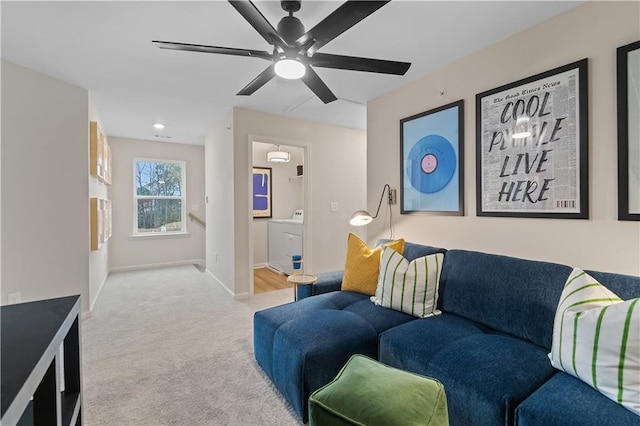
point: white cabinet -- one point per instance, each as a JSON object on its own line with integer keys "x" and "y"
{"x": 285, "y": 240}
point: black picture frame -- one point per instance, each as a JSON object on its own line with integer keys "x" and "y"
{"x": 628, "y": 89}
{"x": 432, "y": 161}
{"x": 262, "y": 192}
{"x": 544, "y": 174}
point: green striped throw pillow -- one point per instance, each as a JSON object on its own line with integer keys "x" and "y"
{"x": 409, "y": 287}
{"x": 596, "y": 338}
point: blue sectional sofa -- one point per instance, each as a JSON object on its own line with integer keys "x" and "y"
{"x": 488, "y": 347}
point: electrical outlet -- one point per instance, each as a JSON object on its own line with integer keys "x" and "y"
{"x": 333, "y": 207}
{"x": 14, "y": 298}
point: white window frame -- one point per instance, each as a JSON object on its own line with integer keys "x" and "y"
{"x": 182, "y": 197}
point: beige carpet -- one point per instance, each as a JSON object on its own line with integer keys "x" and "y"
{"x": 171, "y": 347}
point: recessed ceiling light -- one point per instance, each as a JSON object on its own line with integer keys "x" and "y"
{"x": 158, "y": 126}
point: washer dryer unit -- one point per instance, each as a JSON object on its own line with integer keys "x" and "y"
{"x": 285, "y": 240}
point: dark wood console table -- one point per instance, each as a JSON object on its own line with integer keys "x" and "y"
{"x": 32, "y": 389}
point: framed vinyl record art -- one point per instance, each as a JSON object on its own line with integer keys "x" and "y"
{"x": 532, "y": 146}
{"x": 629, "y": 132}
{"x": 431, "y": 160}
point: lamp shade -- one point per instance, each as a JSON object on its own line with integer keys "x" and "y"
{"x": 360, "y": 218}
{"x": 278, "y": 156}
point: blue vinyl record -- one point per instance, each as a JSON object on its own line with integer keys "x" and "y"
{"x": 431, "y": 164}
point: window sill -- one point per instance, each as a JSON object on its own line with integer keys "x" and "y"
{"x": 159, "y": 236}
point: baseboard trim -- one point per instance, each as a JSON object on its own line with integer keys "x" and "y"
{"x": 217, "y": 280}
{"x": 156, "y": 265}
{"x": 95, "y": 299}
{"x": 261, "y": 265}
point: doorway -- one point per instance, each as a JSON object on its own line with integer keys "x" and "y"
{"x": 275, "y": 238}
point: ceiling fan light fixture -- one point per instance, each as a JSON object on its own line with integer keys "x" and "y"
{"x": 291, "y": 69}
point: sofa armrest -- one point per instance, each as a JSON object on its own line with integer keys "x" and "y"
{"x": 327, "y": 281}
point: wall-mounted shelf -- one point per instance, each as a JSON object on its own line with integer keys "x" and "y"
{"x": 101, "y": 222}
{"x": 100, "y": 154}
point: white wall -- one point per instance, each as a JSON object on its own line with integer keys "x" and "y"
{"x": 127, "y": 252}
{"x": 98, "y": 259}
{"x": 328, "y": 178}
{"x": 45, "y": 190}
{"x": 219, "y": 166}
{"x": 287, "y": 194}
{"x": 593, "y": 30}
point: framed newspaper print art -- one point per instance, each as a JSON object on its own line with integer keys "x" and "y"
{"x": 532, "y": 146}
{"x": 629, "y": 132}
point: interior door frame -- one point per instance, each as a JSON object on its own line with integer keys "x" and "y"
{"x": 307, "y": 233}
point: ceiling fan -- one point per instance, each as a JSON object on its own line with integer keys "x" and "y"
{"x": 295, "y": 51}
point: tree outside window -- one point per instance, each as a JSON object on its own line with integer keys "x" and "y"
{"x": 159, "y": 196}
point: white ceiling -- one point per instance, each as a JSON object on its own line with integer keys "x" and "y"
{"x": 106, "y": 48}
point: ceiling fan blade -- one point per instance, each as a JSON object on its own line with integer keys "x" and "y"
{"x": 343, "y": 18}
{"x": 353, "y": 63}
{"x": 317, "y": 86}
{"x": 257, "y": 20}
{"x": 262, "y": 79}
{"x": 212, "y": 49}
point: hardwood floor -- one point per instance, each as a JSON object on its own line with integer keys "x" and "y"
{"x": 264, "y": 280}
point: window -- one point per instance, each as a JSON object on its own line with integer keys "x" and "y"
{"x": 159, "y": 197}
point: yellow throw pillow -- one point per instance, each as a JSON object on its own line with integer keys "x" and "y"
{"x": 363, "y": 265}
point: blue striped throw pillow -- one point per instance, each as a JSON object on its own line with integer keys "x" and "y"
{"x": 409, "y": 287}
{"x": 596, "y": 338}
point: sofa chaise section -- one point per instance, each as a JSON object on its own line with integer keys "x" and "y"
{"x": 302, "y": 345}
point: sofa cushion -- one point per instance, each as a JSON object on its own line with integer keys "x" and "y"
{"x": 503, "y": 293}
{"x": 411, "y": 346}
{"x": 414, "y": 250}
{"x": 485, "y": 375}
{"x": 596, "y": 338}
{"x": 326, "y": 282}
{"x": 267, "y": 321}
{"x": 409, "y": 287}
{"x": 363, "y": 264}
{"x": 625, "y": 286}
{"x": 310, "y": 350}
{"x": 550, "y": 405}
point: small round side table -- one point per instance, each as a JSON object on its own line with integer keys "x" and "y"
{"x": 299, "y": 279}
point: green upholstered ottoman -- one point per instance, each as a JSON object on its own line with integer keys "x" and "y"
{"x": 367, "y": 392}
